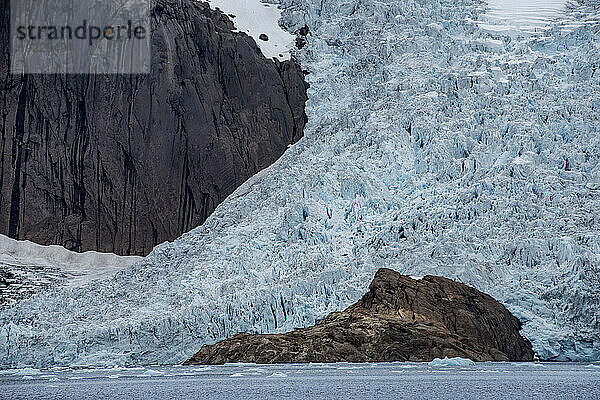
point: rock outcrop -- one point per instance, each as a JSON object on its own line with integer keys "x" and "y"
{"x": 122, "y": 163}
{"x": 399, "y": 319}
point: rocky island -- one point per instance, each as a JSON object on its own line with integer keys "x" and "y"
{"x": 398, "y": 319}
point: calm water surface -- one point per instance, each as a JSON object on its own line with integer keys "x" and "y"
{"x": 312, "y": 381}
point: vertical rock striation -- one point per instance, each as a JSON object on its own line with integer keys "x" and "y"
{"x": 121, "y": 163}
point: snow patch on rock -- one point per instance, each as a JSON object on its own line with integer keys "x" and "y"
{"x": 257, "y": 18}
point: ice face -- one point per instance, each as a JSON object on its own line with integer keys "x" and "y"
{"x": 433, "y": 147}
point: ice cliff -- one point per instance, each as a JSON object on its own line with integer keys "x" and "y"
{"x": 433, "y": 147}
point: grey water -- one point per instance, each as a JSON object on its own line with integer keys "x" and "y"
{"x": 309, "y": 381}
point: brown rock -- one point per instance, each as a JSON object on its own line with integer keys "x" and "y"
{"x": 399, "y": 319}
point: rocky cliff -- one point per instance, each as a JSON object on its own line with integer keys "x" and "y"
{"x": 121, "y": 163}
{"x": 399, "y": 319}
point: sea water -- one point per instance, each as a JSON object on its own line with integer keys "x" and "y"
{"x": 310, "y": 381}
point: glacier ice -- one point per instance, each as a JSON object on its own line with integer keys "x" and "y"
{"x": 433, "y": 147}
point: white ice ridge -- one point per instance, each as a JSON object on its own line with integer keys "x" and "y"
{"x": 433, "y": 147}
{"x": 522, "y": 15}
{"x": 535, "y": 17}
{"x": 81, "y": 267}
{"x": 255, "y": 18}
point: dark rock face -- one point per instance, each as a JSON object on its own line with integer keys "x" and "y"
{"x": 399, "y": 319}
{"x": 122, "y": 163}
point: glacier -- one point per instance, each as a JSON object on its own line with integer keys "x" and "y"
{"x": 434, "y": 146}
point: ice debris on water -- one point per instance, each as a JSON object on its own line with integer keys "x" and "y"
{"x": 451, "y": 362}
{"x": 25, "y": 372}
{"x": 278, "y": 375}
{"x": 151, "y": 372}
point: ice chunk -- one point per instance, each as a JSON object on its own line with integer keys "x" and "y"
{"x": 25, "y": 372}
{"x": 451, "y": 362}
{"x": 151, "y": 372}
{"x": 278, "y": 375}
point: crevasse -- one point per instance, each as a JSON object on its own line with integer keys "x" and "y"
{"x": 433, "y": 147}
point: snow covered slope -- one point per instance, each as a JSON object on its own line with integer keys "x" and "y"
{"x": 433, "y": 147}
{"x": 26, "y": 267}
{"x": 85, "y": 266}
